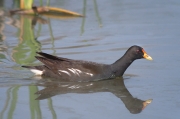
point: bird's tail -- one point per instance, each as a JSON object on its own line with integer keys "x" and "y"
{"x": 38, "y": 70}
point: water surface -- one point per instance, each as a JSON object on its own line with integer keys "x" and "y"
{"x": 107, "y": 31}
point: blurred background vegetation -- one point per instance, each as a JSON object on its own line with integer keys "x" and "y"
{"x": 27, "y": 36}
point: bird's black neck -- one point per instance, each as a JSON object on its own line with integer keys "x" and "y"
{"x": 120, "y": 66}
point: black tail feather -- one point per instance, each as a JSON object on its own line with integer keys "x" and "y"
{"x": 48, "y": 56}
{"x": 29, "y": 67}
{"x": 46, "y": 61}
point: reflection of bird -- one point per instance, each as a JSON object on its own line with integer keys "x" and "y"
{"x": 68, "y": 69}
{"x": 115, "y": 86}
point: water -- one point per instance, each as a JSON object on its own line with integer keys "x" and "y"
{"x": 107, "y": 31}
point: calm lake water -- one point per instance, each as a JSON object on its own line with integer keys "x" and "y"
{"x": 107, "y": 31}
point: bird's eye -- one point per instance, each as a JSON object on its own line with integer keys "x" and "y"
{"x": 138, "y": 51}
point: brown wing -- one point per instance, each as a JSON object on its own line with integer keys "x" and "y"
{"x": 65, "y": 68}
{"x": 51, "y": 64}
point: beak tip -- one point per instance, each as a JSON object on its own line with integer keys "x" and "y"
{"x": 146, "y": 103}
{"x": 151, "y": 58}
{"x": 148, "y": 57}
{"x": 149, "y": 101}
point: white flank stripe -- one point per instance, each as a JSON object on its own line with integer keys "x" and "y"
{"x": 37, "y": 72}
{"x": 74, "y": 87}
{"x": 89, "y": 74}
{"x": 77, "y": 72}
{"x": 71, "y": 70}
{"x": 65, "y": 72}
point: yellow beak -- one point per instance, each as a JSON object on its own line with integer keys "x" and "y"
{"x": 146, "y": 103}
{"x": 146, "y": 56}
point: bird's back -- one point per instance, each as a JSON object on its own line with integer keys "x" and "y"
{"x": 72, "y": 70}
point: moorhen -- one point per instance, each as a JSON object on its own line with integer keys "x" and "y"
{"x": 79, "y": 70}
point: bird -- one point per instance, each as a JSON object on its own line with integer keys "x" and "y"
{"x": 79, "y": 70}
